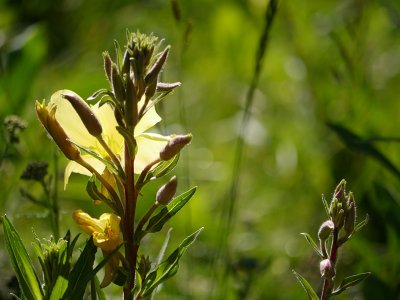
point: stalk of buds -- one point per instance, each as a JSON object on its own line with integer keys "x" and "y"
{"x": 339, "y": 227}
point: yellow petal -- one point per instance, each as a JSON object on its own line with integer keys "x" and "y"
{"x": 70, "y": 121}
{"x": 110, "y": 134}
{"x": 150, "y": 119}
{"x": 74, "y": 167}
{"x": 86, "y": 222}
{"x": 149, "y": 146}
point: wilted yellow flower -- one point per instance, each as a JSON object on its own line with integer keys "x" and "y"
{"x": 105, "y": 230}
{"x": 148, "y": 144}
{"x": 46, "y": 115}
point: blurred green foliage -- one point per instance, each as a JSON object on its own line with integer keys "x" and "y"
{"x": 335, "y": 62}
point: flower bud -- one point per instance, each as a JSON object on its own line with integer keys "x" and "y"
{"x": 350, "y": 218}
{"x": 327, "y": 269}
{"x": 340, "y": 190}
{"x": 167, "y": 87}
{"x": 325, "y": 230}
{"x": 155, "y": 70}
{"x": 333, "y": 208}
{"x": 117, "y": 84}
{"x": 85, "y": 113}
{"x": 107, "y": 64}
{"x": 167, "y": 191}
{"x": 48, "y": 120}
{"x": 174, "y": 146}
{"x": 339, "y": 220}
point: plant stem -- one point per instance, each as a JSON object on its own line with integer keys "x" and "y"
{"x": 131, "y": 248}
{"x": 328, "y": 283}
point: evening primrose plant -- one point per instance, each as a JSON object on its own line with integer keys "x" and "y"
{"x": 108, "y": 138}
{"x": 333, "y": 233}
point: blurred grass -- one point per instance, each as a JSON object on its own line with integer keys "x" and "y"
{"x": 328, "y": 62}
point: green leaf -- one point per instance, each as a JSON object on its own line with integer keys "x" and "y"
{"x": 360, "y": 225}
{"x": 169, "y": 267}
{"x": 99, "y": 290}
{"x": 118, "y": 54}
{"x": 22, "y": 264}
{"x": 59, "y": 288}
{"x": 78, "y": 276}
{"x": 314, "y": 245}
{"x": 95, "y": 194}
{"x": 312, "y": 295}
{"x": 350, "y": 281}
{"x": 161, "y": 169}
{"x": 94, "y": 98}
{"x": 326, "y": 206}
{"x": 357, "y": 144}
{"x": 157, "y": 222}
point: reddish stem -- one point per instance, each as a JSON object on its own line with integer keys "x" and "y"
{"x": 328, "y": 283}
{"x": 131, "y": 249}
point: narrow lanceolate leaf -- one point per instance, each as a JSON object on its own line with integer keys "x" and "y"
{"x": 22, "y": 264}
{"x": 157, "y": 222}
{"x": 357, "y": 144}
{"x": 314, "y": 245}
{"x": 360, "y": 225}
{"x": 326, "y": 206}
{"x": 161, "y": 169}
{"x": 169, "y": 267}
{"x": 83, "y": 266}
{"x": 99, "y": 291}
{"x": 312, "y": 295}
{"x": 59, "y": 288}
{"x": 95, "y": 194}
{"x": 350, "y": 281}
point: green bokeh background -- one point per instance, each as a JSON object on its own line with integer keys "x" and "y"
{"x": 326, "y": 62}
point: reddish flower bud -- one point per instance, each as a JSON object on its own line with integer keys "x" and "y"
{"x": 167, "y": 191}
{"x": 85, "y": 113}
{"x": 325, "y": 230}
{"x": 174, "y": 146}
{"x": 327, "y": 269}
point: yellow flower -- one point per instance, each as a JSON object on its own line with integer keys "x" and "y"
{"x": 148, "y": 144}
{"x": 105, "y": 230}
{"x": 106, "y": 235}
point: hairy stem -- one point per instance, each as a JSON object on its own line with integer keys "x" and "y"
{"x": 328, "y": 283}
{"x": 131, "y": 248}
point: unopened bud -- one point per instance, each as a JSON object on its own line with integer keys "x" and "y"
{"x": 174, "y": 146}
{"x": 339, "y": 219}
{"x": 107, "y": 65}
{"x": 48, "y": 120}
{"x": 340, "y": 190}
{"x": 150, "y": 89}
{"x": 167, "y": 191}
{"x": 155, "y": 70}
{"x": 325, "y": 230}
{"x": 85, "y": 113}
{"x": 126, "y": 63}
{"x": 117, "y": 84}
{"x": 333, "y": 208}
{"x": 327, "y": 269}
{"x": 350, "y": 219}
{"x": 167, "y": 87}
{"x": 131, "y": 110}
